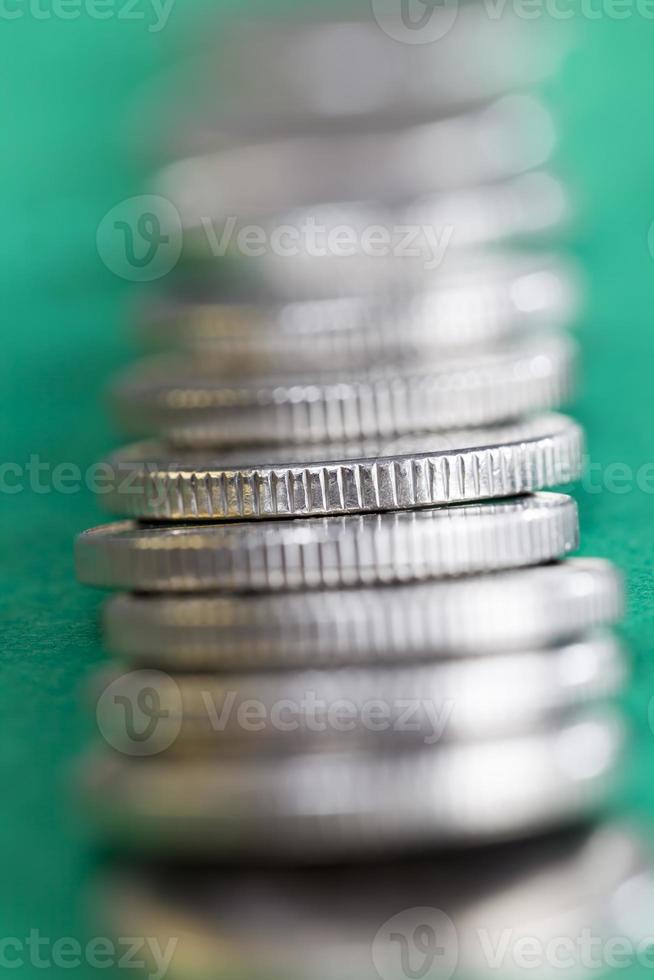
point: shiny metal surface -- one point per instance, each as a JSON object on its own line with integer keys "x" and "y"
{"x": 331, "y": 70}
{"x": 497, "y": 141}
{"x": 152, "y": 480}
{"x": 332, "y": 806}
{"x": 340, "y": 248}
{"x": 192, "y": 402}
{"x": 533, "y": 608}
{"x": 507, "y": 295}
{"x": 339, "y": 513}
{"x": 270, "y": 556}
{"x": 364, "y": 707}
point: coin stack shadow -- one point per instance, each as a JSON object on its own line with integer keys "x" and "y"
{"x": 348, "y": 620}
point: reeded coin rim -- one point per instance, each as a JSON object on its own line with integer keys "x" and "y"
{"x": 320, "y": 552}
{"x": 499, "y": 613}
{"x": 152, "y": 481}
{"x": 176, "y": 399}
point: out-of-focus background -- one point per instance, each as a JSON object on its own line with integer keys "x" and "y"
{"x": 69, "y": 73}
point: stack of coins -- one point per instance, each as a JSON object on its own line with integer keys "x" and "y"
{"x": 349, "y": 625}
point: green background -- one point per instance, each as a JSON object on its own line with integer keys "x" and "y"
{"x": 65, "y": 88}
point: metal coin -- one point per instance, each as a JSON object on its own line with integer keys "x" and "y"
{"x": 255, "y": 181}
{"x": 270, "y": 556}
{"x": 372, "y": 921}
{"x": 508, "y": 295}
{"x": 349, "y": 708}
{"x": 329, "y": 806}
{"x": 343, "y": 248}
{"x": 534, "y": 608}
{"x": 192, "y": 402}
{"x": 155, "y": 481}
{"x": 331, "y": 71}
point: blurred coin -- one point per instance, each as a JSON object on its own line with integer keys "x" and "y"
{"x": 157, "y": 481}
{"x": 509, "y": 611}
{"x": 390, "y": 920}
{"x": 509, "y": 294}
{"x": 362, "y": 707}
{"x": 323, "y": 69}
{"x": 328, "y": 806}
{"x": 338, "y": 249}
{"x": 315, "y": 552}
{"x": 192, "y": 401}
{"x": 501, "y": 140}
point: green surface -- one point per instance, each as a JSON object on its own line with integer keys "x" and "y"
{"x": 64, "y": 90}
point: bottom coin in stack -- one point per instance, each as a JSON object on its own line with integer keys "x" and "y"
{"x": 554, "y": 906}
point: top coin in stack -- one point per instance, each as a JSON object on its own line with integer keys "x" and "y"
{"x": 350, "y": 67}
{"x": 450, "y": 159}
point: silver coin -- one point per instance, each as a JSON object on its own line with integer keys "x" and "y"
{"x": 507, "y": 295}
{"x": 192, "y": 402}
{"x": 323, "y": 806}
{"x": 270, "y": 556}
{"x": 534, "y": 608}
{"x": 337, "y": 249}
{"x": 154, "y": 481}
{"x": 330, "y": 923}
{"x": 509, "y": 137}
{"x": 332, "y": 71}
{"x": 349, "y": 708}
